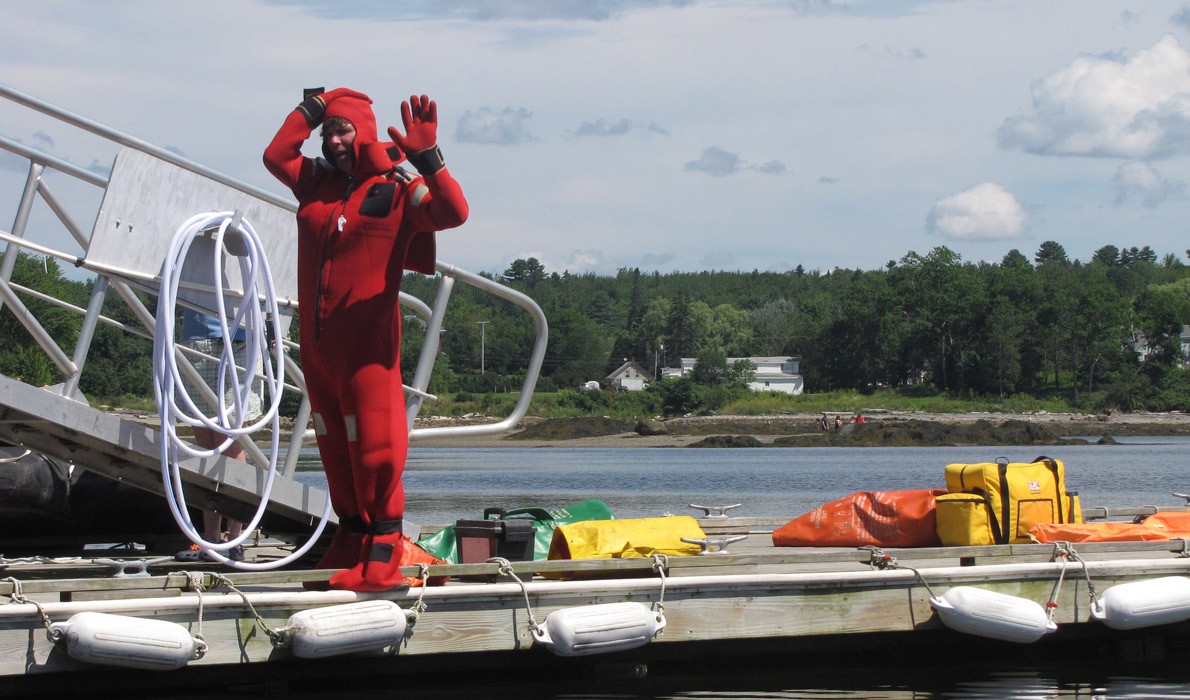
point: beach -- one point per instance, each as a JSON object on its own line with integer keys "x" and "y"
{"x": 791, "y": 430}
{"x": 769, "y": 430}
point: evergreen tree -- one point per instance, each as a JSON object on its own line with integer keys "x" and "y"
{"x": 680, "y": 332}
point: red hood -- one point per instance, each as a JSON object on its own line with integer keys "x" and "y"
{"x": 371, "y": 156}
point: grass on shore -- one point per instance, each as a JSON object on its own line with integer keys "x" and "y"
{"x": 634, "y": 405}
{"x": 853, "y": 401}
{"x": 564, "y": 404}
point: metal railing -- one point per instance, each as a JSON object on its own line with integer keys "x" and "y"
{"x": 124, "y": 282}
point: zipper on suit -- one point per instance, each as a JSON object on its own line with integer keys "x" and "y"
{"x": 326, "y": 257}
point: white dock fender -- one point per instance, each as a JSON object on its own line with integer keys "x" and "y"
{"x": 1155, "y": 601}
{"x": 367, "y": 626}
{"x": 130, "y": 642}
{"x": 994, "y": 615}
{"x": 599, "y": 629}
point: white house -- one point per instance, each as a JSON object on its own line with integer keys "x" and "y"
{"x": 1140, "y": 344}
{"x": 629, "y": 376}
{"x": 781, "y": 374}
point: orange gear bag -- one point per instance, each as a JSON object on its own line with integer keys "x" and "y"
{"x": 1166, "y": 525}
{"x": 412, "y": 555}
{"x": 877, "y": 518}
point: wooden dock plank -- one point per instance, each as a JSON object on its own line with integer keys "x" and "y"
{"x": 494, "y": 618}
{"x": 756, "y": 592}
{"x": 84, "y": 575}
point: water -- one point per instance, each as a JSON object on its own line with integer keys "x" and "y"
{"x": 444, "y": 485}
{"x": 968, "y": 680}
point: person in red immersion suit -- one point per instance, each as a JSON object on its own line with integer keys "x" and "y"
{"x": 362, "y": 221}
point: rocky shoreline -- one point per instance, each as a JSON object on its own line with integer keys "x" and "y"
{"x": 881, "y": 428}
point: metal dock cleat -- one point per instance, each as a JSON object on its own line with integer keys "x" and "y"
{"x": 714, "y": 545}
{"x": 715, "y": 511}
{"x": 131, "y": 568}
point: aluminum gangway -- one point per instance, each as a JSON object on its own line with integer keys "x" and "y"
{"x": 148, "y": 193}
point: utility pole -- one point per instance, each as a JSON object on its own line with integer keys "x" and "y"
{"x": 482, "y": 328}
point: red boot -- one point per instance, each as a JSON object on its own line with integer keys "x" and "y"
{"x": 379, "y": 567}
{"x": 343, "y": 551}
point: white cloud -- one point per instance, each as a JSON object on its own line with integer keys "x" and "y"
{"x": 482, "y": 10}
{"x": 719, "y": 163}
{"x": 602, "y": 127}
{"x": 856, "y": 8}
{"x": 1143, "y": 182}
{"x": 715, "y": 161}
{"x": 577, "y": 262}
{"x": 486, "y": 126}
{"x": 1182, "y": 18}
{"x": 773, "y": 167}
{"x": 1134, "y": 106}
{"x": 656, "y": 260}
{"x": 580, "y": 261}
{"x": 984, "y": 212}
{"x": 100, "y": 168}
{"x": 893, "y": 52}
{"x": 718, "y": 260}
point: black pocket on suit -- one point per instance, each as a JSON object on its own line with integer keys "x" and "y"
{"x": 378, "y": 202}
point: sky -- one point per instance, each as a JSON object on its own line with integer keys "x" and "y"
{"x": 671, "y": 135}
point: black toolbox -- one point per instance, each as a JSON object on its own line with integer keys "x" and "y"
{"x": 480, "y": 540}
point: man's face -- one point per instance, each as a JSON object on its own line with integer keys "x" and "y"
{"x": 339, "y": 142}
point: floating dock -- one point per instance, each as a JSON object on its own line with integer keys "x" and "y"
{"x": 717, "y": 604}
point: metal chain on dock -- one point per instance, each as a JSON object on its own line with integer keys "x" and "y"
{"x": 878, "y": 559}
{"x": 506, "y": 570}
{"x": 20, "y": 598}
{"x": 660, "y": 564}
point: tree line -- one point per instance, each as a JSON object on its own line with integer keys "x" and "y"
{"x": 119, "y": 363}
{"x": 1104, "y": 333}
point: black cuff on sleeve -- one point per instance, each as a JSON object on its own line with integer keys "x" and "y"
{"x": 313, "y": 109}
{"x": 428, "y": 161}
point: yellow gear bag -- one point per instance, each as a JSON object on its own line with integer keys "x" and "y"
{"x": 624, "y": 539}
{"x": 963, "y": 519}
{"x": 999, "y": 502}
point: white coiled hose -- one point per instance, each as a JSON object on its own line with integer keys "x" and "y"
{"x": 174, "y": 402}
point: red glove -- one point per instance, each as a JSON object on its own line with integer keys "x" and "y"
{"x": 420, "y": 141}
{"x": 314, "y": 107}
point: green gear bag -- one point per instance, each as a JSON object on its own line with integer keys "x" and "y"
{"x": 444, "y": 543}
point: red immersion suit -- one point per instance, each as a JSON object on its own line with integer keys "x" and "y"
{"x": 357, "y": 234}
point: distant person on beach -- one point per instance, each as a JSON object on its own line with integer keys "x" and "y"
{"x": 203, "y": 334}
{"x": 859, "y": 418}
{"x": 822, "y": 422}
{"x": 838, "y": 422}
{"x": 362, "y": 221}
